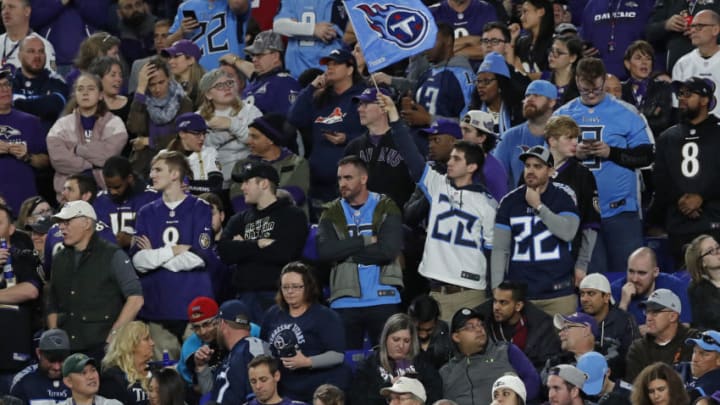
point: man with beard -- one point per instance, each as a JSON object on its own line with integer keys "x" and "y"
{"x": 135, "y": 28}
{"x": 704, "y": 60}
{"x": 616, "y": 141}
{"x": 36, "y": 89}
{"x": 538, "y": 106}
{"x": 510, "y": 317}
{"x": 229, "y": 381}
{"x": 125, "y": 195}
{"x": 686, "y": 167}
{"x": 42, "y": 382}
{"x": 533, "y": 226}
{"x": 361, "y": 233}
{"x": 16, "y": 20}
{"x": 201, "y": 348}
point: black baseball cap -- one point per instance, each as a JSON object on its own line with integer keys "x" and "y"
{"x": 697, "y": 85}
{"x": 462, "y": 316}
{"x": 257, "y": 169}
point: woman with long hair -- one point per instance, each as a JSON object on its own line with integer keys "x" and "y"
{"x": 166, "y": 387}
{"x": 125, "y": 366}
{"x": 531, "y": 49}
{"x": 397, "y": 355}
{"x": 158, "y": 100}
{"x": 227, "y": 117}
{"x": 495, "y": 93}
{"x": 702, "y": 259}
{"x": 564, "y": 55}
{"x": 86, "y": 136}
{"x": 96, "y": 45}
{"x": 183, "y": 60}
{"x": 327, "y": 108}
{"x": 307, "y": 336}
{"x": 110, "y": 71}
{"x": 659, "y": 384}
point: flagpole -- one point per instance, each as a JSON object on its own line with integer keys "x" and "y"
{"x": 377, "y": 88}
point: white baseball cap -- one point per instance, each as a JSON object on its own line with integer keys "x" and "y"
{"x": 406, "y": 385}
{"x": 597, "y": 281}
{"x": 75, "y": 209}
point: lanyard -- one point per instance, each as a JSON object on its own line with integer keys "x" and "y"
{"x": 7, "y": 54}
{"x": 611, "y": 42}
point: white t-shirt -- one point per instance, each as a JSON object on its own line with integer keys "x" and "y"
{"x": 694, "y": 65}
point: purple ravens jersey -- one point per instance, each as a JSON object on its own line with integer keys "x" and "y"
{"x": 121, "y": 216}
{"x": 168, "y": 293}
{"x": 272, "y": 92}
{"x": 469, "y": 22}
{"x": 19, "y": 182}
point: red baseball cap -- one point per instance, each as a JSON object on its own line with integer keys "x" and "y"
{"x": 202, "y": 308}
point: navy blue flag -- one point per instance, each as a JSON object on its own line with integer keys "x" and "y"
{"x": 391, "y": 30}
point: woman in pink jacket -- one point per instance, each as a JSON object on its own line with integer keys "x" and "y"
{"x": 86, "y": 136}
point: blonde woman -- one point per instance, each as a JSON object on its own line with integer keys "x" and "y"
{"x": 227, "y": 118}
{"x": 124, "y": 368}
{"x": 183, "y": 57}
{"x": 702, "y": 259}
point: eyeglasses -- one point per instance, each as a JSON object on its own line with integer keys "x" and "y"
{"x": 484, "y": 82}
{"x": 292, "y": 287}
{"x": 228, "y": 84}
{"x": 472, "y": 327}
{"x": 492, "y": 41}
{"x": 699, "y": 26}
{"x": 200, "y": 326}
{"x": 557, "y": 52}
{"x": 713, "y": 251}
{"x": 596, "y": 90}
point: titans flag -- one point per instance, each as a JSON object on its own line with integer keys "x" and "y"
{"x": 391, "y": 30}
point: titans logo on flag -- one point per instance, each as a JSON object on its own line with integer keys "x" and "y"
{"x": 400, "y": 25}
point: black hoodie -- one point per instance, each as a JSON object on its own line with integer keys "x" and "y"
{"x": 258, "y": 269}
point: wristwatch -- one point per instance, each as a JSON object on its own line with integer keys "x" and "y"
{"x": 537, "y": 209}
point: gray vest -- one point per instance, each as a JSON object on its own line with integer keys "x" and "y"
{"x": 469, "y": 380}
